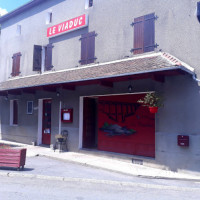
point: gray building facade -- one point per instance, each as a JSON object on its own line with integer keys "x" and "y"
{"x": 62, "y": 60}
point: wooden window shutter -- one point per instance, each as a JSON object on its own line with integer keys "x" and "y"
{"x": 91, "y": 48}
{"x": 16, "y": 64}
{"x": 84, "y": 49}
{"x": 149, "y": 32}
{"x": 138, "y": 35}
{"x": 37, "y": 58}
{"x": 87, "y": 48}
{"x": 15, "y": 112}
{"x": 48, "y": 57}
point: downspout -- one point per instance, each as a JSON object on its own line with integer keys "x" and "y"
{"x": 194, "y": 76}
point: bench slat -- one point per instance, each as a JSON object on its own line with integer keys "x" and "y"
{"x": 9, "y": 165}
{"x": 9, "y": 161}
{"x": 10, "y": 150}
{"x": 10, "y": 155}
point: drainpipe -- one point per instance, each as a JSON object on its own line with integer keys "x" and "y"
{"x": 195, "y": 78}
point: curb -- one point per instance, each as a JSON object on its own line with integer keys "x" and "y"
{"x": 122, "y": 172}
{"x": 98, "y": 181}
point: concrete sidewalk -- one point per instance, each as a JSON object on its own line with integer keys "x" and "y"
{"x": 111, "y": 164}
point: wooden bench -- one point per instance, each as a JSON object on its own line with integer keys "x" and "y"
{"x": 13, "y": 158}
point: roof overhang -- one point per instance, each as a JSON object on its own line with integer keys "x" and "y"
{"x": 21, "y": 9}
{"x": 153, "y": 65}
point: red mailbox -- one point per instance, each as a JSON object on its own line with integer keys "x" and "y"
{"x": 67, "y": 115}
{"x": 183, "y": 140}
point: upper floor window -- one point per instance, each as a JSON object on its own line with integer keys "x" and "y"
{"x": 49, "y": 18}
{"x": 198, "y": 11}
{"x": 42, "y": 58}
{"x": 88, "y": 4}
{"x": 16, "y": 64}
{"x": 88, "y": 48}
{"x": 19, "y": 27}
{"x": 144, "y": 34}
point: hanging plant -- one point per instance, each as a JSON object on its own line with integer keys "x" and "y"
{"x": 153, "y": 101}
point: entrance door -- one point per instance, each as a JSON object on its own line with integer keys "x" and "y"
{"x": 46, "y": 122}
{"x": 89, "y": 120}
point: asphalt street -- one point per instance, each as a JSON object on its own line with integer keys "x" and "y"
{"x": 17, "y": 188}
{"x": 47, "y": 178}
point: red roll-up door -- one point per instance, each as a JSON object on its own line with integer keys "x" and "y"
{"x": 124, "y": 126}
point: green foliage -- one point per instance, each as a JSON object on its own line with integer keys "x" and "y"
{"x": 151, "y": 99}
{"x": 133, "y": 131}
{"x": 4, "y": 146}
{"x": 57, "y": 136}
{"x": 106, "y": 125}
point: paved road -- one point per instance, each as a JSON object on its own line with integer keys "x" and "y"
{"x": 17, "y": 188}
{"x": 82, "y": 182}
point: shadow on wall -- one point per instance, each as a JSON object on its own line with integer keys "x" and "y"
{"x": 69, "y": 35}
{"x": 37, "y": 9}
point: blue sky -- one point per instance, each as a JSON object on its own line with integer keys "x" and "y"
{"x": 9, "y": 5}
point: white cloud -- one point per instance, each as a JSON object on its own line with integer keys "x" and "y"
{"x": 3, "y": 11}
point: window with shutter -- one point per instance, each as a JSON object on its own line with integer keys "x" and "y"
{"x": 16, "y": 64}
{"x": 144, "y": 34}
{"x": 37, "y": 58}
{"x": 88, "y": 48}
{"x": 48, "y": 57}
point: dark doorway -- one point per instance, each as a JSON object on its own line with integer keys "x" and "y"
{"x": 46, "y": 122}
{"x": 89, "y": 123}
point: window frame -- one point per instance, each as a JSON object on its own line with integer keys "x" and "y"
{"x": 45, "y": 54}
{"x": 89, "y": 4}
{"x": 29, "y": 112}
{"x": 49, "y": 17}
{"x": 19, "y": 30}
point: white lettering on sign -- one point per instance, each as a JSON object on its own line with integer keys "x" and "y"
{"x": 80, "y": 21}
{"x": 70, "y": 25}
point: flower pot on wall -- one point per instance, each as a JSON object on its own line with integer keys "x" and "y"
{"x": 153, "y": 110}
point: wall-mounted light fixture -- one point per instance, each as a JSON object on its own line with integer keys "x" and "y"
{"x": 130, "y": 87}
{"x": 6, "y": 97}
{"x": 57, "y": 94}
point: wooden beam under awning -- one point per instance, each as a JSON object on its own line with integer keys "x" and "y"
{"x": 15, "y": 92}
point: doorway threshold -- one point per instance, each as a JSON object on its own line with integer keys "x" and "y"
{"x": 44, "y": 145}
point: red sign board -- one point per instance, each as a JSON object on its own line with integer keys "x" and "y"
{"x": 69, "y": 25}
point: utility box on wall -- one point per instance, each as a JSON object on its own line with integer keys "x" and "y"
{"x": 183, "y": 140}
{"x": 67, "y": 115}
